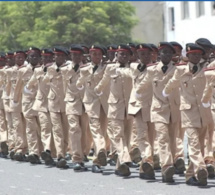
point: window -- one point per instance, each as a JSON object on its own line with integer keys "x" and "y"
{"x": 171, "y": 18}
{"x": 200, "y": 8}
{"x": 185, "y": 10}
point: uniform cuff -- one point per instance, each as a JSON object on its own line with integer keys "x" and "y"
{"x": 26, "y": 90}
{"x": 206, "y": 105}
{"x": 164, "y": 94}
{"x": 80, "y": 88}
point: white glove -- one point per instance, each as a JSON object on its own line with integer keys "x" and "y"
{"x": 206, "y": 105}
{"x": 137, "y": 95}
{"x": 26, "y": 90}
{"x": 164, "y": 94}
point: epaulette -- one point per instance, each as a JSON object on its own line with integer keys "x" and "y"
{"x": 208, "y": 69}
{"x": 152, "y": 64}
{"x": 180, "y": 64}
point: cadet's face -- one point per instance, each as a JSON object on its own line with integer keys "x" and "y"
{"x": 194, "y": 57}
{"x": 76, "y": 57}
{"x": 59, "y": 58}
{"x": 47, "y": 59}
{"x": 34, "y": 58}
{"x": 111, "y": 55}
{"x": 177, "y": 55}
{"x": 123, "y": 56}
{"x": 2, "y": 62}
{"x": 10, "y": 61}
{"x": 20, "y": 59}
{"x": 134, "y": 56}
{"x": 96, "y": 56}
{"x": 154, "y": 56}
{"x": 166, "y": 55}
{"x": 208, "y": 52}
{"x": 144, "y": 56}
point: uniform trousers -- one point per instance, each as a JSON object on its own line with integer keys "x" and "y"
{"x": 166, "y": 137}
{"x": 60, "y": 132}
{"x": 20, "y": 133}
{"x": 196, "y": 137}
{"x": 3, "y": 126}
{"x": 145, "y": 134}
{"x": 98, "y": 128}
{"x": 116, "y": 129}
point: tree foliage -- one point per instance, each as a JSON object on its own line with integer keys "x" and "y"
{"x": 45, "y": 24}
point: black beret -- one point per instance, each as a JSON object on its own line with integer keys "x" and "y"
{"x": 60, "y": 50}
{"x": 97, "y": 47}
{"x": 176, "y": 44}
{"x": 166, "y": 44}
{"x": 131, "y": 45}
{"x": 20, "y": 52}
{"x": 34, "y": 49}
{"x": 76, "y": 48}
{"x": 122, "y": 47}
{"x": 9, "y": 53}
{"x": 192, "y": 47}
{"x": 112, "y": 47}
{"x": 47, "y": 51}
{"x": 154, "y": 47}
{"x": 2, "y": 56}
{"x": 204, "y": 42}
{"x": 143, "y": 46}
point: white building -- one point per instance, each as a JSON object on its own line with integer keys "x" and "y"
{"x": 187, "y": 21}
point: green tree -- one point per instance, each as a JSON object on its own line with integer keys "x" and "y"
{"x": 45, "y": 24}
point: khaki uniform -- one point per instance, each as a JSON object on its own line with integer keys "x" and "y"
{"x": 77, "y": 119}
{"x": 195, "y": 118}
{"x": 120, "y": 123}
{"x": 96, "y": 106}
{"x": 56, "y": 106}
{"x": 16, "y": 110}
{"x": 31, "y": 116}
{"x": 140, "y": 109}
{"x": 41, "y": 107}
{"x": 164, "y": 111}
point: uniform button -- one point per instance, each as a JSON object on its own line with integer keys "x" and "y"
{"x": 194, "y": 86}
{"x": 198, "y": 105}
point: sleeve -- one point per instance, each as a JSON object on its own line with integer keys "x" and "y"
{"x": 84, "y": 73}
{"x": 173, "y": 83}
{"x": 208, "y": 91}
{"x": 18, "y": 88}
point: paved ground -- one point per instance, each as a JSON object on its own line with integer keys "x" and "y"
{"x": 24, "y": 179}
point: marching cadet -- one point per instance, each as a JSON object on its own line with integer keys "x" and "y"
{"x": 31, "y": 117}
{"x": 41, "y": 105}
{"x": 208, "y": 155}
{"x": 77, "y": 118}
{"x": 86, "y": 54}
{"x": 96, "y": 107}
{"x": 6, "y": 100}
{"x": 111, "y": 50}
{"x": 56, "y": 105}
{"x": 140, "y": 109}
{"x": 154, "y": 53}
{"x": 156, "y": 158}
{"x": 119, "y": 123}
{"x": 179, "y": 150}
{"x": 134, "y": 57}
{"x": 195, "y": 118}
{"x": 16, "y": 109}
{"x": 3, "y": 129}
{"x": 164, "y": 111}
